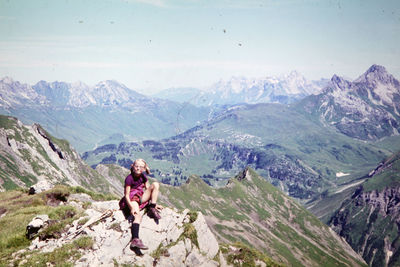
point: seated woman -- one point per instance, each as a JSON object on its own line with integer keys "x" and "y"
{"x": 138, "y": 192}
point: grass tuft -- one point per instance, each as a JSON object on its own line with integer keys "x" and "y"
{"x": 243, "y": 255}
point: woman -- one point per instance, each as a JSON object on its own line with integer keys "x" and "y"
{"x": 138, "y": 192}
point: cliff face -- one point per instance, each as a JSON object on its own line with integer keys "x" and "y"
{"x": 370, "y": 220}
{"x": 370, "y": 224}
{"x": 386, "y": 202}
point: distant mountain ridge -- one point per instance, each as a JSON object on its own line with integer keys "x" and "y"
{"x": 293, "y": 146}
{"x": 367, "y": 108}
{"x": 87, "y": 116}
{"x": 238, "y": 90}
{"x": 62, "y": 94}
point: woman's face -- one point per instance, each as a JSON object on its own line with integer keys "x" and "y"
{"x": 138, "y": 167}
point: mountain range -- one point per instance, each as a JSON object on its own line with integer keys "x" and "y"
{"x": 239, "y": 90}
{"x": 89, "y": 116}
{"x": 335, "y": 151}
{"x": 294, "y": 153}
{"x": 366, "y": 109}
{"x": 295, "y": 147}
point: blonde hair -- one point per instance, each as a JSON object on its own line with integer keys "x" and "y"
{"x": 146, "y": 167}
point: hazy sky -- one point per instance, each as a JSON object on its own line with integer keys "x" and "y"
{"x": 156, "y": 44}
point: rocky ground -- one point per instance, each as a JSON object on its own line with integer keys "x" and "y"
{"x": 177, "y": 239}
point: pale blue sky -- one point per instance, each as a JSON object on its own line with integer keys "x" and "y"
{"x": 156, "y": 44}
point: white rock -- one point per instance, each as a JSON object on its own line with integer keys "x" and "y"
{"x": 82, "y": 197}
{"x": 207, "y": 242}
{"x": 177, "y": 256}
{"x": 105, "y": 205}
{"x": 41, "y": 186}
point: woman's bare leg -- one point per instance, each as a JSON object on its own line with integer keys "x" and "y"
{"x": 151, "y": 193}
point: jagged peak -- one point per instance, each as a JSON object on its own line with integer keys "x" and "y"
{"x": 42, "y": 82}
{"x": 340, "y": 82}
{"x": 110, "y": 82}
{"x": 113, "y": 84}
{"x": 376, "y": 69}
{"x": 376, "y": 73}
{"x": 243, "y": 175}
{"x": 115, "y": 87}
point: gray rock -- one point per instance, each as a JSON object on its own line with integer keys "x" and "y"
{"x": 41, "y": 186}
{"x": 82, "y": 197}
{"x": 207, "y": 242}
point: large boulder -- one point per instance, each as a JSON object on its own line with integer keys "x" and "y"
{"x": 40, "y": 187}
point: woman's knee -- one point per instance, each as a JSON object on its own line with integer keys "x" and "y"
{"x": 156, "y": 185}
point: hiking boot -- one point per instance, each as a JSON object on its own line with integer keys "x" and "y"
{"x": 152, "y": 212}
{"x": 137, "y": 243}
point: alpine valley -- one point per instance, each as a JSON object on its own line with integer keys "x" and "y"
{"x": 332, "y": 146}
{"x": 247, "y": 222}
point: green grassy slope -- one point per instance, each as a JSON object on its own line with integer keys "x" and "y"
{"x": 252, "y": 211}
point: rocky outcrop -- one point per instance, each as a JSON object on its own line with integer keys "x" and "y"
{"x": 177, "y": 239}
{"x": 30, "y": 156}
{"x": 53, "y": 146}
{"x": 36, "y": 224}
